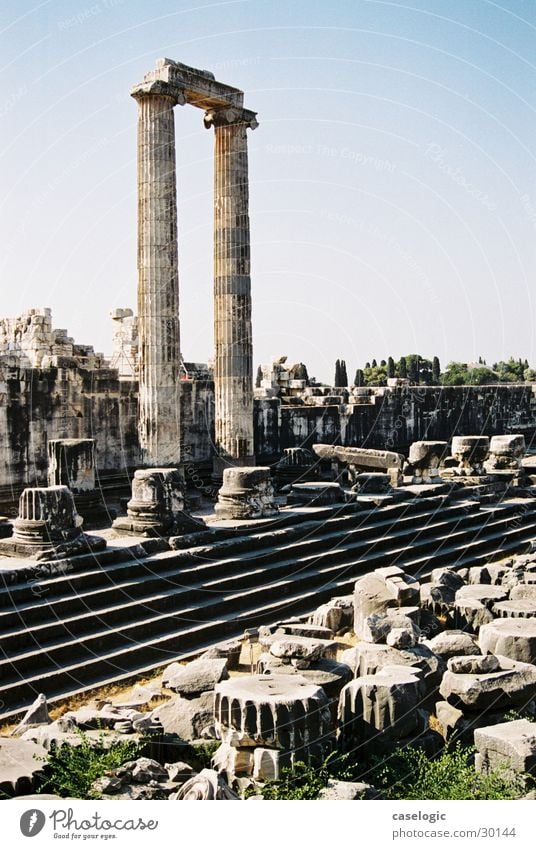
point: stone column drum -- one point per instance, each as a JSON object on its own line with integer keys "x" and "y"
{"x": 158, "y": 280}
{"x": 470, "y": 452}
{"x": 71, "y": 462}
{"x": 247, "y": 493}
{"x": 233, "y": 362}
{"x": 157, "y": 506}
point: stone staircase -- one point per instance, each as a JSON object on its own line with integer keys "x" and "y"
{"x": 108, "y": 617}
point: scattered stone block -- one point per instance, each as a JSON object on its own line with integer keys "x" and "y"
{"x": 205, "y": 786}
{"x": 186, "y": 717}
{"x": 229, "y": 650}
{"x": 232, "y": 762}
{"x": 348, "y": 791}
{"x": 510, "y": 637}
{"x": 453, "y": 644}
{"x": 21, "y": 761}
{"x": 307, "y": 649}
{"x": 511, "y": 745}
{"x": 337, "y": 614}
{"x": 196, "y": 677}
{"x": 302, "y": 629}
{"x": 377, "y": 628}
{"x": 513, "y": 684}
{"x": 37, "y": 714}
{"x": 477, "y": 664}
{"x": 266, "y": 766}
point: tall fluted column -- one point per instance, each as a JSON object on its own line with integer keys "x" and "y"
{"x": 158, "y": 281}
{"x": 233, "y": 362}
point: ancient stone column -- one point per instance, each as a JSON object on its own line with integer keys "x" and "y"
{"x": 233, "y": 363}
{"x": 158, "y": 280}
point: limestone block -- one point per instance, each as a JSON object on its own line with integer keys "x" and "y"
{"x": 370, "y": 658}
{"x": 20, "y": 763}
{"x": 232, "y": 762}
{"x": 513, "y": 684}
{"x": 453, "y": 644}
{"x": 476, "y": 664}
{"x": 367, "y": 459}
{"x": 379, "y": 591}
{"x": 526, "y": 592}
{"x": 274, "y": 711}
{"x": 511, "y": 637}
{"x": 196, "y": 677}
{"x": 492, "y": 573}
{"x": 425, "y": 458}
{"x": 143, "y": 770}
{"x": 37, "y": 714}
{"x": 337, "y": 614}
{"x": 374, "y": 709}
{"x": 302, "y": 629}
{"x": 470, "y": 453}
{"x": 347, "y": 791}
{"x": 471, "y": 614}
{"x": 510, "y": 744}
{"x": 186, "y": 717}
{"x": 266, "y": 764}
{"x": 372, "y": 483}
{"x": 307, "y": 649}
{"x": 205, "y": 786}
{"x": 229, "y": 650}
{"x": 247, "y": 493}
{"x": 316, "y": 494}
{"x": 331, "y": 675}
{"x": 377, "y": 628}
{"x": 485, "y": 593}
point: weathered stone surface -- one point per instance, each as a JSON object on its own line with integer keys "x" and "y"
{"x": 510, "y": 637}
{"x": 302, "y": 629}
{"x": 274, "y": 711}
{"x": 374, "y": 709}
{"x": 307, "y": 649}
{"x": 37, "y": 714}
{"x": 447, "y": 578}
{"x": 316, "y": 494}
{"x": 377, "y": 628}
{"x": 453, "y": 644}
{"x": 157, "y": 506}
{"x": 370, "y": 658}
{"x": 367, "y": 459}
{"x": 347, "y": 791}
{"x": 266, "y": 764}
{"x": 379, "y": 591}
{"x": 196, "y": 677}
{"x": 523, "y": 608}
{"x": 486, "y": 593}
{"x": 506, "y": 452}
{"x": 337, "y": 614}
{"x": 425, "y": 458}
{"x": 229, "y": 650}
{"x": 331, "y": 675}
{"x": 492, "y": 573}
{"x": 477, "y": 664}
{"x": 205, "y": 786}
{"x": 525, "y": 592}
{"x": 232, "y": 762}
{"x": 372, "y": 483}
{"x": 510, "y": 746}
{"x": 20, "y": 762}
{"x": 187, "y": 717}
{"x": 247, "y": 493}
{"x": 470, "y": 452}
{"x": 513, "y": 684}
{"x": 471, "y": 614}
{"x": 143, "y": 770}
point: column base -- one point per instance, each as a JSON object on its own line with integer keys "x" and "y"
{"x": 247, "y": 493}
{"x": 41, "y": 550}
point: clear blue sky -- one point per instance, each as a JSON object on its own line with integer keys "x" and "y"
{"x": 392, "y": 177}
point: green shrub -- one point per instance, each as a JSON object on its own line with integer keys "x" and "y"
{"x": 71, "y": 770}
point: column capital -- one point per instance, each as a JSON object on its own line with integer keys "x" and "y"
{"x": 230, "y": 116}
{"x": 158, "y": 88}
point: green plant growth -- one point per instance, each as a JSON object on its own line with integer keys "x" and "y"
{"x": 406, "y": 774}
{"x": 71, "y": 770}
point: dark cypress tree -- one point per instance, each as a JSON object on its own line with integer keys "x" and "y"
{"x": 374, "y": 364}
{"x": 367, "y": 365}
{"x": 344, "y": 374}
{"x": 383, "y": 363}
{"x": 413, "y": 368}
{"x": 403, "y": 367}
{"x": 300, "y": 372}
{"x": 390, "y": 367}
{"x": 436, "y": 371}
{"x": 359, "y": 379}
{"x": 336, "y": 381}
{"x": 259, "y": 378}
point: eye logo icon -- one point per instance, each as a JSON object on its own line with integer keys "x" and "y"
{"x": 32, "y": 822}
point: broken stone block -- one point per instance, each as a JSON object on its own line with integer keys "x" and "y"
{"x": 380, "y": 708}
{"x": 347, "y": 791}
{"x": 470, "y": 452}
{"x": 477, "y": 664}
{"x": 247, "y": 493}
{"x": 143, "y": 770}
{"x": 301, "y": 629}
{"x": 186, "y": 717}
{"x": 377, "y": 628}
{"x": 370, "y": 658}
{"x": 453, "y": 644}
{"x": 316, "y": 494}
{"x": 232, "y": 762}
{"x": 179, "y": 772}
{"x": 485, "y": 593}
{"x": 513, "y": 638}
{"x": 21, "y": 762}
{"x": 266, "y": 766}
{"x": 207, "y": 785}
{"x": 525, "y": 592}
{"x": 379, "y": 591}
{"x": 337, "y": 614}
{"x": 274, "y": 711}
{"x": 331, "y": 675}
{"x": 229, "y": 650}
{"x": 513, "y": 684}
{"x": 196, "y": 677}
{"x": 307, "y": 649}
{"x": 506, "y": 452}
{"x": 37, "y": 714}
{"x": 372, "y": 483}
{"x": 510, "y": 747}
{"x": 522, "y": 608}
{"x": 367, "y": 459}
{"x": 425, "y": 458}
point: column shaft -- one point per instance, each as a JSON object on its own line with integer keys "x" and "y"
{"x": 233, "y": 366}
{"x": 158, "y": 284}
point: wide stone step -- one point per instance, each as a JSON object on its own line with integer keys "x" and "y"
{"x": 162, "y": 579}
{"x": 224, "y": 592}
